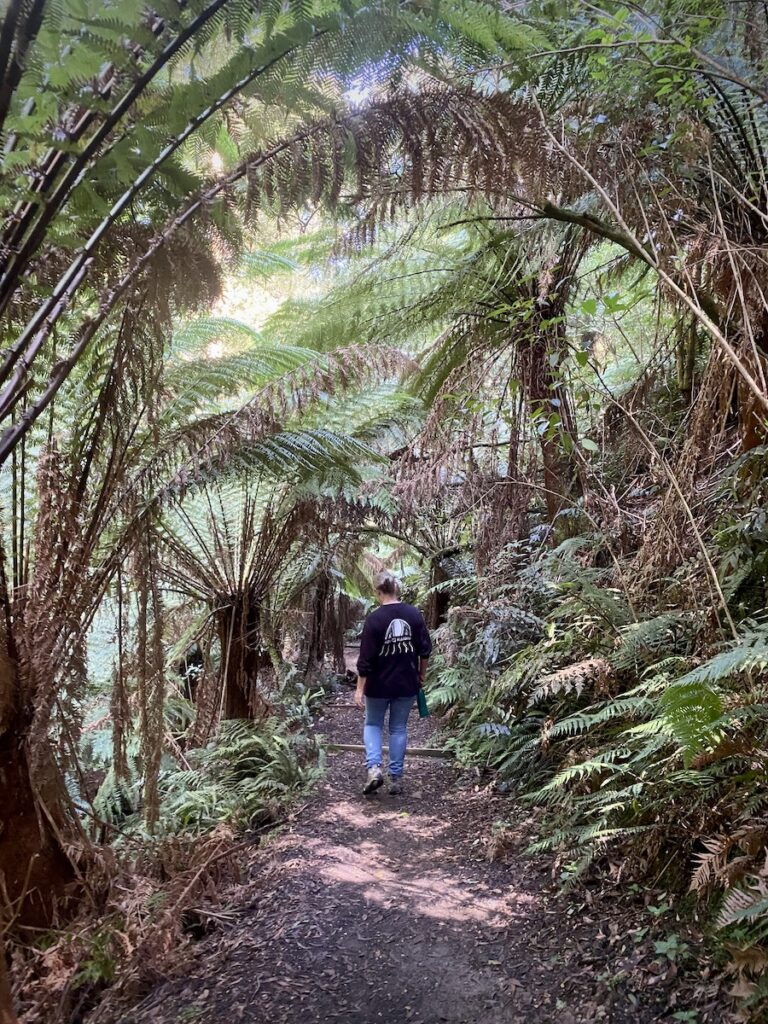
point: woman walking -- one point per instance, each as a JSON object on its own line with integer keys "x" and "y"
{"x": 394, "y": 649}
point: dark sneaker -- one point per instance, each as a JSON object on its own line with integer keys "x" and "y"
{"x": 375, "y": 780}
{"x": 395, "y": 785}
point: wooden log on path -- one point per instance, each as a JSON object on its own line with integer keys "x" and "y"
{"x": 358, "y": 748}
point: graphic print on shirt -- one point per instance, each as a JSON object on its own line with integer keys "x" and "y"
{"x": 397, "y": 639}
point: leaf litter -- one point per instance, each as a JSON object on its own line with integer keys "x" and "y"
{"x": 362, "y": 910}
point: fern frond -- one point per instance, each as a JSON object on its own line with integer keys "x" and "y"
{"x": 748, "y": 655}
{"x": 643, "y": 643}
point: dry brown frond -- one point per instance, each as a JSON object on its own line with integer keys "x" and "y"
{"x": 594, "y": 673}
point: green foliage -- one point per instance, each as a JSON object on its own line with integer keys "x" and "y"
{"x": 117, "y": 798}
{"x": 742, "y": 534}
{"x": 747, "y": 655}
{"x": 646, "y": 642}
{"x": 692, "y": 710}
{"x": 245, "y": 777}
{"x": 622, "y": 740}
{"x": 428, "y": 310}
{"x": 99, "y": 966}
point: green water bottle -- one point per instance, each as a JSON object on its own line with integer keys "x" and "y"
{"x": 422, "y": 702}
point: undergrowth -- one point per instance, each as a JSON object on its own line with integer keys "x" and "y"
{"x": 152, "y": 892}
{"x": 243, "y": 777}
{"x": 641, "y": 740}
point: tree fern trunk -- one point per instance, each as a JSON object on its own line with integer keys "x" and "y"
{"x": 438, "y": 602}
{"x": 559, "y": 471}
{"x": 321, "y": 599}
{"x": 37, "y": 875}
{"x": 687, "y": 349}
{"x": 751, "y": 417}
{"x": 341, "y": 621}
{"x": 242, "y": 661}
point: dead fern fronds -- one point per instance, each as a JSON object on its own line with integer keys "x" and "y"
{"x": 594, "y": 674}
{"x": 730, "y": 858}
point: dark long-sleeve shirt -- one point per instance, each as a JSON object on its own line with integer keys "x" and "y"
{"x": 394, "y": 637}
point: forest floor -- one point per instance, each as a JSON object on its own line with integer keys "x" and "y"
{"x": 370, "y": 909}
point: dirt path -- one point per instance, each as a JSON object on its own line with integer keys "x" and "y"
{"x": 376, "y": 909}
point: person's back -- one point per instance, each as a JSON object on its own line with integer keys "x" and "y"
{"x": 394, "y": 638}
{"x": 394, "y": 649}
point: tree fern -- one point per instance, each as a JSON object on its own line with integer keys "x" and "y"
{"x": 584, "y": 769}
{"x": 743, "y": 906}
{"x": 626, "y": 708}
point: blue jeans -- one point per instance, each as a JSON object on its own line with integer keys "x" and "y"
{"x": 375, "y": 710}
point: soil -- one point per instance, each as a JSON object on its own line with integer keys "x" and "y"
{"x": 370, "y": 909}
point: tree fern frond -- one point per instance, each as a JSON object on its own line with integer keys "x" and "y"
{"x": 744, "y": 905}
{"x": 584, "y": 769}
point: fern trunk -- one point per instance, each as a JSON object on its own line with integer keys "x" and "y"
{"x": 686, "y": 352}
{"x": 559, "y": 469}
{"x": 243, "y": 662}
{"x": 751, "y": 416}
{"x": 438, "y": 602}
{"x": 36, "y": 873}
{"x": 322, "y": 599}
{"x": 341, "y": 618}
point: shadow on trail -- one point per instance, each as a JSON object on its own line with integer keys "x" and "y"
{"x": 378, "y": 915}
{"x": 413, "y": 879}
{"x": 376, "y": 909}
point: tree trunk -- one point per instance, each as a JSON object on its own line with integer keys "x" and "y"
{"x": 35, "y": 871}
{"x": 687, "y": 348}
{"x": 437, "y": 603}
{"x": 316, "y": 644}
{"x": 37, "y": 878}
{"x": 242, "y": 660}
{"x": 751, "y": 419}
{"x": 338, "y": 622}
{"x": 543, "y": 391}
